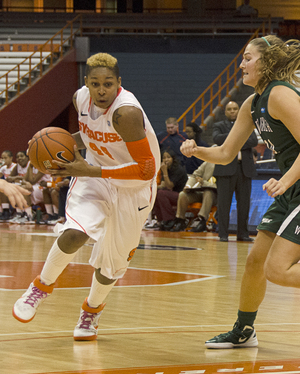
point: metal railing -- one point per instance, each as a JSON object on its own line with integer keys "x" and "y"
{"x": 220, "y": 88}
{"x": 47, "y": 53}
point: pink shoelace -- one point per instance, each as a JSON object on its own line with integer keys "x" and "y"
{"x": 87, "y": 319}
{"x": 35, "y": 295}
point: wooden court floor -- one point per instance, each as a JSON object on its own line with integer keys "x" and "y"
{"x": 180, "y": 290}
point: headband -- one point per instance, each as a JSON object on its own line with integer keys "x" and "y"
{"x": 266, "y": 41}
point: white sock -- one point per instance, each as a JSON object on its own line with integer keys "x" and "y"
{"x": 55, "y": 210}
{"x": 29, "y": 211}
{"x": 98, "y": 292}
{"x": 49, "y": 209}
{"x": 5, "y": 205}
{"x": 55, "y": 263}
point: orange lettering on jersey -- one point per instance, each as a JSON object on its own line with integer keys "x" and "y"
{"x": 105, "y": 137}
{"x": 103, "y": 151}
{"x": 131, "y": 253}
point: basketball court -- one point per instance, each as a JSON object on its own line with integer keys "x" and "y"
{"x": 180, "y": 290}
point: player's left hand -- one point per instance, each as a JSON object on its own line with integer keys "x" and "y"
{"x": 274, "y": 187}
{"x": 188, "y": 147}
{"x": 77, "y": 168}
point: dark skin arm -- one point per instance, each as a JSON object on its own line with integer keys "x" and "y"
{"x": 32, "y": 178}
{"x": 14, "y": 177}
{"x": 127, "y": 121}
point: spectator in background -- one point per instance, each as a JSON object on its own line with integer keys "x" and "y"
{"x": 234, "y": 177}
{"x": 51, "y": 200}
{"x": 193, "y": 131}
{"x": 255, "y": 155}
{"x": 33, "y": 182}
{"x": 246, "y": 10}
{"x": 61, "y": 190}
{"x": 17, "y": 176}
{"x": 173, "y": 179}
{"x": 5, "y": 171}
{"x": 206, "y": 193}
{"x": 172, "y": 138}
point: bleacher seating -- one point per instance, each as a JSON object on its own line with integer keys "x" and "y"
{"x": 11, "y": 73}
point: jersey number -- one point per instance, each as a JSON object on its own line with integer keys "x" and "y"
{"x": 102, "y": 151}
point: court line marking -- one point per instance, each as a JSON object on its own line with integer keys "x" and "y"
{"x": 206, "y": 277}
{"x": 156, "y": 328}
{"x": 50, "y": 234}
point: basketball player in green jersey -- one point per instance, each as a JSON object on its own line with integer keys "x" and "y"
{"x": 269, "y": 65}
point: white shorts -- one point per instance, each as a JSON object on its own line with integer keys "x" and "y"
{"x": 37, "y": 194}
{"x": 112, "y": 216}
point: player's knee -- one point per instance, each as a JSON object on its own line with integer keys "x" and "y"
{"x": 254, "y": 264}
{"x": 274, "y": 273}
{"x": 102, "y": 278}
{"x": 71, "y": 240}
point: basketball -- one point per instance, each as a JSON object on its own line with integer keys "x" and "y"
{"x": 50, "y": 143}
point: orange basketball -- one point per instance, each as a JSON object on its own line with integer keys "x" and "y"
{"x": 50, "y": 143}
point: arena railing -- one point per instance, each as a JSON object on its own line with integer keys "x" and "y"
{"x": 29, "y": 68}
{"x": 211, "y": 98}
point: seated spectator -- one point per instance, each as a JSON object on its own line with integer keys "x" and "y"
{"x": 171, "y": 139}
{"x": 17, "y": 177}
{"x": 33, "y": 182}
{"x": 63, "y": 192}
{"x": 255, "y": 155}
{"x": 200, "y": 188}
{"x": 261, "y": 145}
{"x": 193, "y": 131}
{"x": 5, "y": 170}
{"x": 268, "y": 155}
{"x": 55, "y": 200}
{"x": 173, "y": 179}
{"x": 51, "y": 199}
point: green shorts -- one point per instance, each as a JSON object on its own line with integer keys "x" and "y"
{"x": 283, "y": 215}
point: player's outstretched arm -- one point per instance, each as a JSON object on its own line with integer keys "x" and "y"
{"x": 14, "y": 193}
{"x": 224, "y": 154}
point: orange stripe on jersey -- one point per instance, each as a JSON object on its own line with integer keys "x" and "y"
{"x": 143, "y": 168}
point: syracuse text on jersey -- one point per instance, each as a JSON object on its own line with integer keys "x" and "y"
{"x": 98, "y": 135}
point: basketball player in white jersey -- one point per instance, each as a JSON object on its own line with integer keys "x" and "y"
{"x": 110, "y": 195}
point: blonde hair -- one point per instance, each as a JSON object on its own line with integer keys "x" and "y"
{"x": 104, "y": 60}
{"x": 171, "y": 120}
{"x": 279, "y": 60}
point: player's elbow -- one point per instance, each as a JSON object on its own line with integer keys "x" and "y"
{"x": 148, "y": 171}
{"x": 227, "y": 156}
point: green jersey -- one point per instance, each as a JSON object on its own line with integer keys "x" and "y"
{"x": 273, "y": 132}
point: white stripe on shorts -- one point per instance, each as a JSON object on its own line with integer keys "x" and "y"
{"x": 288, "y": 220}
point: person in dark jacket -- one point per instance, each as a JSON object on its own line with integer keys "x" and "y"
{"x": 172, "y": 138}
{"x": 234, "y": 177}
{"x": 194, "y": 131}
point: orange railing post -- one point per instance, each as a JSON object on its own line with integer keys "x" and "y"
{"x": 230, "y": 79}
{"x": 44, "y": 48}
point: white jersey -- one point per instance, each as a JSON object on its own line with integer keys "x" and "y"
{"x": 104, "y": 145}
{"x": 21, "y": 171}
{"x": 5, "y": 170}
